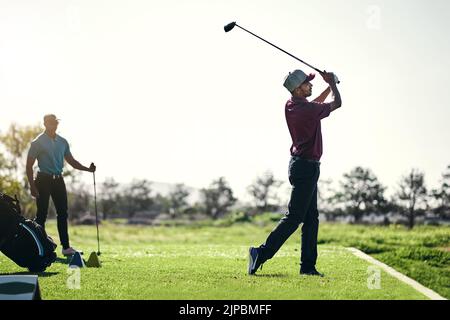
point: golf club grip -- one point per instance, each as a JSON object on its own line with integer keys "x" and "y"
{"x": 336, "y": 79}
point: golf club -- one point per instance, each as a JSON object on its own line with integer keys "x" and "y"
{"x": 231, "y": 25}
{"x": 96, "y": 215}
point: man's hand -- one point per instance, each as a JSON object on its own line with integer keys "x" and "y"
{"x": 92, "y": 167}
{"x": 34, "y": 191}
{"x": 329, "y": 78}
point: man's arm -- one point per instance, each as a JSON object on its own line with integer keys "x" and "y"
{"x": 30, "y": 176}
{"x": 321, "y": 98}
{"x": 330, "y": 79}
{"x": 75, "y": 164}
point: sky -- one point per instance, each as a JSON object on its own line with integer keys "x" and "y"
{"x": 158, "y": 90}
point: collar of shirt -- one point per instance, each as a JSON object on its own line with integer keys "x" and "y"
{"x": 54, "y": 139}
{"x": 298, "y": 99}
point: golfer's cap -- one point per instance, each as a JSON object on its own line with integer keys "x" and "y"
{"x": 50, "y": 117}
{"x": 295, "y": 78}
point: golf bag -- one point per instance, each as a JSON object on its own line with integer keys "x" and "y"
{"x": 24, "y": 241}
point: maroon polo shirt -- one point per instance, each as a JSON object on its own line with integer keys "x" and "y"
{"x": 303, "y": 120}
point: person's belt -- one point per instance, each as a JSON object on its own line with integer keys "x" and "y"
{"x": 48, "y": 175}
{"x": 308, "y": 160}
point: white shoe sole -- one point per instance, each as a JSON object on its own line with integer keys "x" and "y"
{"x": 251, "y": 265}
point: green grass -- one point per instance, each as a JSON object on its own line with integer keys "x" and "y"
{"x": 210, "y": 262}
{"x": 422, "y": 253}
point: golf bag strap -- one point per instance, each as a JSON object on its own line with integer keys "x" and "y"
{"x": 35, "y": 238}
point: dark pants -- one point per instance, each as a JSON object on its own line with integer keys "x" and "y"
{"x": 48, "y": 186}
{"x": 302, "y": 208}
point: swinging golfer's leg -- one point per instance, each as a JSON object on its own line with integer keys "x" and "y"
{"x": 59, "y": 196}
{"x": 310, "y": 230}
{"x": 304, "y": 183}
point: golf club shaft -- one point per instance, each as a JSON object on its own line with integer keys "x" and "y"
{"x": 96, "y": 215}
{"x": 320, "y": 71}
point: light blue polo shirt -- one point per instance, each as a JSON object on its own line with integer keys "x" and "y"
{"x": 49, "y": 153}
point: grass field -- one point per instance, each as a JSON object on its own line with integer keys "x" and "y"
{"x": 210, "y": 262}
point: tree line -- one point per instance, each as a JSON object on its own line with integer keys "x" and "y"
{"x": 359, "y": 194}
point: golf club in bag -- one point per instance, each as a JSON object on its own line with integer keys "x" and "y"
{"x": 231, "y": 25}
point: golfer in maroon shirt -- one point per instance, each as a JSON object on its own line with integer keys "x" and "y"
{"x": 303, "y": 120}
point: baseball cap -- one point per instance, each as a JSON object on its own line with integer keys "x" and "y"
{"x": 296, "y": 78}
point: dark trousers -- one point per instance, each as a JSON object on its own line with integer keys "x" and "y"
{"x": 48, "y": 186}
{"x": 302, "y": 208}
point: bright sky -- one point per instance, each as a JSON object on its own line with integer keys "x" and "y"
{"x": 158, "y": 90}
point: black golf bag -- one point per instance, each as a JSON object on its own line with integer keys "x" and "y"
{"x": 24, "y": 241}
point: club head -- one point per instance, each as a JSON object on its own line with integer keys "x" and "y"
{"x": 229, "y": 26}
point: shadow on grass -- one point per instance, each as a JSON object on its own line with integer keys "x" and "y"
{"x": 25, "y": 273}
{"x": 63, "y": 260}
{"x": 273, "y": 275}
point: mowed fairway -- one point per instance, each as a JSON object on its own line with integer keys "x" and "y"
{"x": 204, "y": 263}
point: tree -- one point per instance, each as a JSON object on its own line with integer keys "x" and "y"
{"x": 17, "y": 141}
{"x": 72, "y": 175}
{"x": 9, "y": 185}
{"x": 161, "y": 203}
{"x": 326, "y": 199}
{"x": 217, "y": 199}
{"x": 361, "y": 193}
{"x": 5, "y": 165}
{"x": 5, "y": 175}
{"x": 137, "y": 197}
{"x": 442, "y": 196}
{"x": 263, "y": 190}
{"x": 109, "y": 195}
{"x": 78, "y": 198}
{"x": 412, "y": 195}
{"x": 178, "y": 199}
